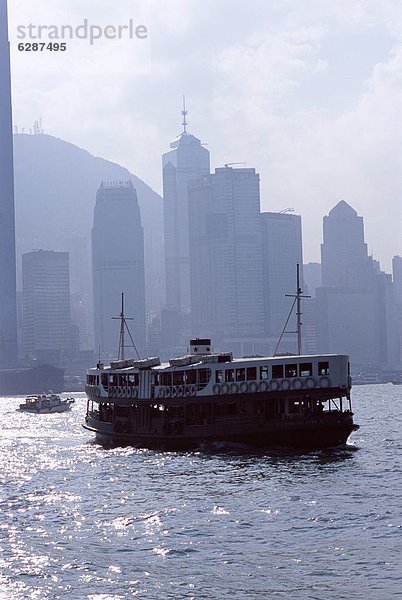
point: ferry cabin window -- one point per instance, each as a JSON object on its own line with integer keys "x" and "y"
{"x": 305, "y": 369}
{"x": 166, "y": 378}
{"x": 225, "y": 410}
{"x": 323, "y": 368}
{"x": 133, "y": 379}
{"x": 198, "y": 414}
{"x": 112, "y": 379}
{"x": 251, "y": 373}
{"x": 121, "y": 411}
{"x": 191, "y": 376}
{"x": 291, "y": 370}
{"x": 204, "y": 376}
{"x": 156, "y": 379}
{"x": 178, "y": 377}
{"x": 122, "y": 379}
{"x": 104, "y": 379}
{"x": 264, "y": 372}
{"x": 277, "y": 371}
{"x": 174, "y": 411}
{"x": 240, "y": 374}
{"x": 218, "y": 376}
{"x": 296, "y": 406}
{"x": 105, "y": 412}
{"x": 229, "y": 375}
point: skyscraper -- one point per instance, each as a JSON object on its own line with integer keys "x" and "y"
{"x": 397, "y": 278}
{"x": 354, "y": 305}
{"x": 281, "y": 251}
{"x": 344, "y": 256}
{"x": 47, "y": 333}
{"x": 186, "y": 160}
{"x": 397, "y": 289}
{"x": 118, "y": 266}
{"x": 226, "y": 261}
{"x": 312, "y": 280}
{"x": 78, "y": 248}
{"x": 8, "y": 304}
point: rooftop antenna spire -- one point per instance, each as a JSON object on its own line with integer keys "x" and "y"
{"x": 184, "y": 113}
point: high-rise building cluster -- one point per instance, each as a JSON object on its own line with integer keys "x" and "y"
{"x": 238, "y": 268}
{"x": 230, "y": 271}
{"x": 228, "y": 265}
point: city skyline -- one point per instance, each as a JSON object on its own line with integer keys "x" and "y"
{"x": 306, "y": 94}
{"x": 188, "y": 161}
{"x": 346, "y": 264}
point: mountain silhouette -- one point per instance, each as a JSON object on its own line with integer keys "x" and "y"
{"x": 55, "y": 193}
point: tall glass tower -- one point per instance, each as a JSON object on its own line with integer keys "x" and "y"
{"x": 186, "y": 160}
{"x": 8, "y": 306}
{"x": 225, "y": 256}
{"x": 118, "y": 266}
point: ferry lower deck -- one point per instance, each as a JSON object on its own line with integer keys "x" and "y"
{"x": 313, "y": 420}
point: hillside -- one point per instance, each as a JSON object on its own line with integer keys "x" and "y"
{"x": 55, "y": 192}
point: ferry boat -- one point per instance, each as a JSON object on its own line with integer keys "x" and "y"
{"x": 297, "y": 401}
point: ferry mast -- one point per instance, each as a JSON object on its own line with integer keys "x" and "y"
{"x": 123, "y": 327}
{"x": 297, "y": 301}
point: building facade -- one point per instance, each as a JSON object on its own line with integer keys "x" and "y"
{"x": 397, "y": 286}
{"x": 186, "y": 160}
{"x": 226, "y": 258}
{"x": 281, "y": 252}
{"x": 46, "y": 331}
{"x": 355, "y": 305}
{"x": 78, "y": 248}
{"x": 118, "y": 266}
{"x": 8, "y": 300}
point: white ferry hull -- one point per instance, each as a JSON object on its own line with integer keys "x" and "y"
{"x": 46, "y": 411}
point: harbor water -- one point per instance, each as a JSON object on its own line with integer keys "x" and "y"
{"x": 78, "y": 521}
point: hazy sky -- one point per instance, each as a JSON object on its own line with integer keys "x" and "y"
{"x": 309, "y": 92}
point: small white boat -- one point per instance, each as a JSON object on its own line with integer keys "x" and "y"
{"x": 46, "y": 403}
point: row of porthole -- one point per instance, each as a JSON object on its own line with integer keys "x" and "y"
{"x": 123, "y": 392}
{"x": 244, "y": 387}
{"x": 273, "y": 385}
{"x": 92, "y": 390}
{"x": 177, "y": 391}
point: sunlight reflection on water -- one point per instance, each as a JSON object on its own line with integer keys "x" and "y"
{"x": 78, "y": 521}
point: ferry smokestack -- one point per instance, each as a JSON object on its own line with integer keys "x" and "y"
{"x": 200, "y": 346}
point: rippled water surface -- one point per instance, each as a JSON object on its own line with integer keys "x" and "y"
{"x": 78, "y": 521}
